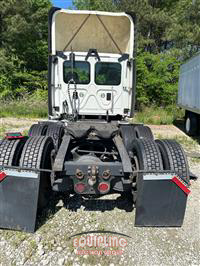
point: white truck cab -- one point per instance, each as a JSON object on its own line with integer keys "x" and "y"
{"x": 91, "y": 64}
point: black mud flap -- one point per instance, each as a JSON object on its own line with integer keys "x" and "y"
{"x": 19, "y": 192}
{"x": 161, "y": 200}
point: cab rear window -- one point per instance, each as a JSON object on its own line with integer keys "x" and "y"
{"x": 80, "y": 73}
{"x": 107, "y": 73}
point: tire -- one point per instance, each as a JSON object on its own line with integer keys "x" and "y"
{"x": 37, "y": 154}
{"x": 148, "y": 155}
{"x": 56, "y": 131}
{"x": 191, "y": 124}
{"x": 128, "y": 135}
{"x": 143, "y": 132}
{"x": 37, "y": 130}
{"x": 10, "y": 151}
{"x": 174, "y": 158}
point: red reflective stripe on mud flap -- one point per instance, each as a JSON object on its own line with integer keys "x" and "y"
{"x": 2, "y": 176}
{"x": 181, "y": 185}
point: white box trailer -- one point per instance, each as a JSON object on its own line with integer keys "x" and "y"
{"x": 189, "y": 94}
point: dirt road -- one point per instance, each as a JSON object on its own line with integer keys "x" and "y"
{"x": 51, "y": 245}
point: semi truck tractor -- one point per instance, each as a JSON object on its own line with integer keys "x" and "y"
{"x": 189, "y": 94}
{"x": 88, "y": 146}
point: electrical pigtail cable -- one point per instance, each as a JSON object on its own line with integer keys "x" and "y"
{"x": 74, "y": 98}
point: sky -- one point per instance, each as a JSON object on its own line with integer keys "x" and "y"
{"x": 62, "y": 3}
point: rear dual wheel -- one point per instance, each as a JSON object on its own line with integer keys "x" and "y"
{"x": 37, "y": 154}
{"x": 149, "y": 155}
{"x": 174, "y": 157}
{"x": 143, "y": 132}
{"x": 131, "y": 132}
{"x": 10, "y": 151}
{"x": 54, "y": 130}
{"x": 37, "y": 130}
{"x": 34, "y": 153}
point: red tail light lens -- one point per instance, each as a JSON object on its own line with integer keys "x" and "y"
{"x": 104, "y": 187}
{"x": 14, "y": 135}
{"x": 79, "y": 187}
{"x": 2, "y": 176}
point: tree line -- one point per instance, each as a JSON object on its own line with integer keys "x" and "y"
{"x": 168, "y": 33}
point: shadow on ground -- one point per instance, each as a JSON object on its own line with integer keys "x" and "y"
{"x": 98, "y": 204}
{"x": 75, "y": 202}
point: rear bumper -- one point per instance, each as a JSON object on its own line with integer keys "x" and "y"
{"x": 116, "y": 180}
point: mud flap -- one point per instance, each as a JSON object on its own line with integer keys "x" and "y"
{"x": 161, "y": 200}
{"x": 19, "y": 192}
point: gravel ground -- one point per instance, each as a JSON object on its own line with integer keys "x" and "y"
{"x": 51, "y": 245}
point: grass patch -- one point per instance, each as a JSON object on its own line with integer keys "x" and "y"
{"x": 158, "y": 115}
{"x": 2, "y": 131}
{"x": 26, "y": 108}
{"x": 195, "y": 160}
{"x": 186, "y": 141}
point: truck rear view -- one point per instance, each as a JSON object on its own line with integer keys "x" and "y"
{"x": 87, "y": 147}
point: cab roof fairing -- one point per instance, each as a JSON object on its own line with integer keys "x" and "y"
{"x": 81, "y": 30}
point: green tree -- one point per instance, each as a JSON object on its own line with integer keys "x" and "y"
{"x": 157, "y": 78}
{"x": 23, "y": 45}
{"x": 185, "y": 29}
{"x": 25, "y": 31}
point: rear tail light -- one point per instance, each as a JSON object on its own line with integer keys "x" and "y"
{"x": 79, "y": 187}
{"x": 14, "y": 135}
{"x": 103, "y": 187}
